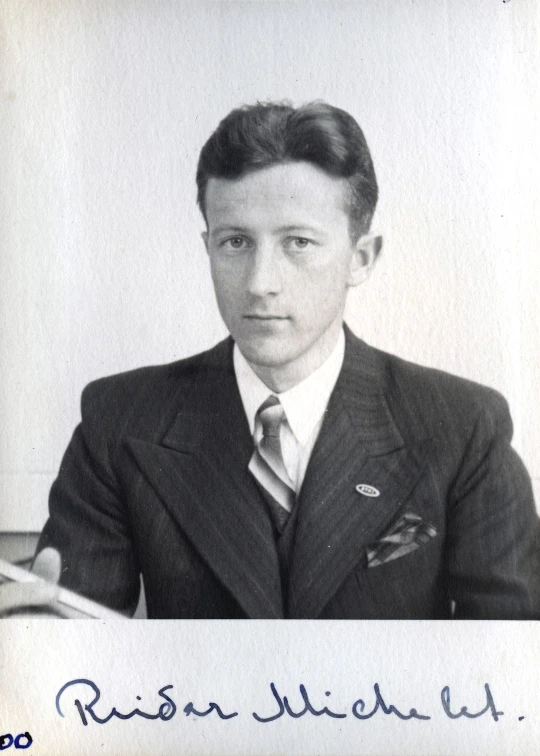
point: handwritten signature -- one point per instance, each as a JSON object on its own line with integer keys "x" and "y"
{"x": 359, "y": 709}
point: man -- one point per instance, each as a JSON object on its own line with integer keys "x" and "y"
{"x": 293, "y": 471}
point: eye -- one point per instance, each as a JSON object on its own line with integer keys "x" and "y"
{"x": 299, "y": 242}
{"x": 233, "y": 243}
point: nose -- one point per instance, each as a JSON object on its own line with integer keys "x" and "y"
{"x": 264, "y": 276}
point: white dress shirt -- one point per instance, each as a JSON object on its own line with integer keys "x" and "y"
{"x": 303, "y": 404}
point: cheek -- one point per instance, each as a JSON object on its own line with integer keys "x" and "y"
{"x": 322, "y": 288}
{"x": 227, "y": 282}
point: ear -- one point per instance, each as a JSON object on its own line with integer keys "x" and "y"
{"x": 204, "y": 236}
{"x": 365, "y": 253}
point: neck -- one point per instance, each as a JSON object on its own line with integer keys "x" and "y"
{"x": 284, "y": 377}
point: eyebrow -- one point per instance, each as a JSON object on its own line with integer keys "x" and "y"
{"x": 300, "y": 227}
{"x": 233, "y": 229}
{"x": 281, "y": 229}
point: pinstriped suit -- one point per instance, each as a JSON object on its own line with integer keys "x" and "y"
{"x": 156, "y": 480}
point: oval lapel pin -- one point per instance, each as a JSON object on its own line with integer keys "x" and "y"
{"x": 366, "y": 490}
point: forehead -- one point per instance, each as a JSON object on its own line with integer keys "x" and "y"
{"x": 291, "y": 192}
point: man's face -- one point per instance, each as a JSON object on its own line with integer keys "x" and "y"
{"x": 282, "y": 260}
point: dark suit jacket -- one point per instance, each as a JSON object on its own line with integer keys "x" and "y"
{"x": 155, "y": 481}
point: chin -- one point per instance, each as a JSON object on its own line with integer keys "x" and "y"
{"x": 268, "y": 356}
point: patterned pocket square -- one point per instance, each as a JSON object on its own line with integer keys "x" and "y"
{"x": 405, "y": 535}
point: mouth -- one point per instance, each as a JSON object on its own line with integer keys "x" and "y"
{"x": 261, "y": 317}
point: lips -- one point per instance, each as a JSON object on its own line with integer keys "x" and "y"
{"x": 256, "y": 316}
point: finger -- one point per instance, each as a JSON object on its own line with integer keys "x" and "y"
{"x": 20, "y": 595}
{"x": 48, "y": 565}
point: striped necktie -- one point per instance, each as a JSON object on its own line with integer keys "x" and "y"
{"x": 266, "y": 463}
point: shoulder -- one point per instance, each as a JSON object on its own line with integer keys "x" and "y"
{"x": 437, "y": 386}
{"x": 432, "y": 400}
{"x": 139, "y": 391}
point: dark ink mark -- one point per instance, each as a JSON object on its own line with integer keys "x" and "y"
{"x": 464, "y": 711}
{"x": 190, "y": 709}
{"x": 165, "y": 712}
{"x": 521, "y": 719}
{"x": 27, "y": 737}
{"x": 15, "y": 741}
{"x": 2, "y": 738}
{"x": 380, "y": 704}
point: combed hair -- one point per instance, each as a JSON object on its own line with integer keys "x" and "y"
{"x": 265, "y": 134}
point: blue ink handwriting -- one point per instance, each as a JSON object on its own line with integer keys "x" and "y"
{"x": 190, "y": 709}
{"x": 86, "y": 703}
{"x": 166, "y": 711}
{"x": 464, "y": 711}
{"x": 357, "y": 708}
{"x": 284, "y": 706}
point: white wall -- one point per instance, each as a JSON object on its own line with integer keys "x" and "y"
{"x": 103, "y": 109}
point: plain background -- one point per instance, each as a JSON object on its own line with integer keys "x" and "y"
{"x": 104, "y": 107}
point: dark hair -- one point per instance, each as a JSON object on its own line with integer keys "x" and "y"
{"x": 257, "y": 136}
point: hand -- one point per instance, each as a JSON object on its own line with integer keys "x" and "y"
{"x": 29, "y": 595}
{"x": 20, "y": 598}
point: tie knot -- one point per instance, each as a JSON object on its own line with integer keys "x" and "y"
{"x": 271, "y": 415}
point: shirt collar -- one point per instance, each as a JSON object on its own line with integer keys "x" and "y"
{"x": 304, "y": 404}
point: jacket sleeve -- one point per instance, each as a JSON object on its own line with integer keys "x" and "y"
{"x": 493, "y": 541}
{"x": 88, "y": 523}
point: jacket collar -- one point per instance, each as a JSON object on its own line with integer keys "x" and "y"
{"x": 200, "y": 472}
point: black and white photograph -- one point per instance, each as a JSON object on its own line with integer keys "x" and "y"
{"x": 270, "y": 327}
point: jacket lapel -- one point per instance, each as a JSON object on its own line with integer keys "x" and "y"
{"x": 359, "y": 443}
{"x": 200, "y": 473}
